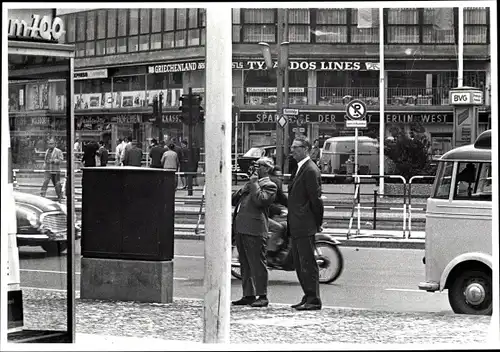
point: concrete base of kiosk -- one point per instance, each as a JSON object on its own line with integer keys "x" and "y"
{"x": 127, "y": 280}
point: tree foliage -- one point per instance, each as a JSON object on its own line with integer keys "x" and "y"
{"x": 409, "y": 152}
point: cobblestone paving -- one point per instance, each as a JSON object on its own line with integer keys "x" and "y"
{"x": 182, "y": 320}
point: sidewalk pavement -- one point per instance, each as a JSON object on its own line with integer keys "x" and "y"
{"x": 152, "y": 326}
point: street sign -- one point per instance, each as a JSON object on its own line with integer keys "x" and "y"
{"x": 287, "y": 111}
{"x": 356, "y": 110}
{"x": 282, "y": 120}
{"x": 355, "y": 123}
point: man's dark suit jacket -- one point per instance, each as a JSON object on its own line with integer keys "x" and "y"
{"x": 305, "y": 206}
{"x": 133, "y": 157}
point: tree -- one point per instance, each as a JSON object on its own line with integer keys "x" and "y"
{"x": 409, "y": 152}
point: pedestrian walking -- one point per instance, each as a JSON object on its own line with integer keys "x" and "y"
{"x": 103, "y": 154}
{"x": 315, "y": 152}
{"x": 90, "y": 149}
{"x": 184, "y": 162}
{"x": 52, "y": 167}
{"x": 170, "y": 160}
{"x": 155, "y": 153}
{"x": 133, "y": 155}
{"x": 251, "y": 226}
{"x": 118, "y": 151}
{"x": 305, "y": 217}
{"x": 127, "y": 145}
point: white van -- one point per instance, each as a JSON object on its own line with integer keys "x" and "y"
{"x": 458, "y": 228}
{"x": 337, "y": 150}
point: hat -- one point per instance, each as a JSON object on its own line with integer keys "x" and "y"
{"x": 266, "y": 161}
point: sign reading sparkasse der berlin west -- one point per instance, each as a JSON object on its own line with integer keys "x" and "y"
{"x": 42, "y": 27}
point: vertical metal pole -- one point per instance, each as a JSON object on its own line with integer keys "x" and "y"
{"x": 381, "y": 100}
{"x": 279, "y": 100}
{"x": 191, "y": 144}
{"x": 374, "y": 209}
{"x": 70, "y": 201}
{"x": 286, "y": 129}
{"x": 160, "y": 119}
{"x": 356, "y": 152}
{"x": 460, "y": 46}
{"x": 217, "y": 279}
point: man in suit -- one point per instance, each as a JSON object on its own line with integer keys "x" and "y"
{"x": 305, "y": 217}
{"x": 133, "y": 155}
{"x": 251, "y": 227}
{"x": 52, "y": 165}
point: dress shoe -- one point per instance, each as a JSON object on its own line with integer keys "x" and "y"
{"x": 299, "y": 304}
{"x": 245, "y": 301}
{"x": 309, "y": 306}
{"x": 261, "y": 302}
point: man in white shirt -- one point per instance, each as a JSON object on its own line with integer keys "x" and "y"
{"x": 119, "y": 151}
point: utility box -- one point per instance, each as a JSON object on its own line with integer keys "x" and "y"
{"x": 127, "y": 234}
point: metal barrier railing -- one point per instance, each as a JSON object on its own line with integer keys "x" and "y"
{"x": 409, "y": 199}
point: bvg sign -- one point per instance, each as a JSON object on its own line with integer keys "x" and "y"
{"x": 466, "y": 97}
{"x": 41, "y": 28}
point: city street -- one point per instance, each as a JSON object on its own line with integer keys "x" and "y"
{"x": 374, "y": 279}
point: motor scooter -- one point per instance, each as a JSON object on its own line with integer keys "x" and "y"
{"x": 328, "y": 256}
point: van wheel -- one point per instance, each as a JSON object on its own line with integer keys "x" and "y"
{"x": 470, "y": 293}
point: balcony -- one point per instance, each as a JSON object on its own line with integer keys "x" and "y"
{"x": 340, "y": 96}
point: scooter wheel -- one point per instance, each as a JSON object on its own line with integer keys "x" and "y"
{"x": 330, "y": 262}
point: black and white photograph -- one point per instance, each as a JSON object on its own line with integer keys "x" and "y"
{"x": 250, "y": 176}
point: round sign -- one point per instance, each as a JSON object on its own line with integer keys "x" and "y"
{"x": 356, "y": 110}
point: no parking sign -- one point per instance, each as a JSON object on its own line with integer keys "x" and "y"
{"x": 356, "y": 114}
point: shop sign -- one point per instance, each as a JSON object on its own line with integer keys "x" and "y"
{"x": 42, "y": 27}
{"x": 127, "y": 118}
{"x": 91, "y": 74}
{"x": 310, "y": 65}
{"x": 274, "y": 89}
{"x": 177, "y": 67}
{"x": 92, "y": 120}
{"x": 40, "y": 120}
{"x": 170, "y": 118}
{"x": 421, "y": 117}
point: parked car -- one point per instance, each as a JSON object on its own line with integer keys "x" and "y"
{"x": 41, "y": 222}
{"x": 254, "y": 154}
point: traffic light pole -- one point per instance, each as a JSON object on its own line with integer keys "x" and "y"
{"x": 191, "y": 162}
{"x": 160, "y": 117}
{"x": 286, "y": 129}
{"x": 279, "y": 101}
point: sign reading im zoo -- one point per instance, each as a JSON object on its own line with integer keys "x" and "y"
{"x": 356, "y": 114}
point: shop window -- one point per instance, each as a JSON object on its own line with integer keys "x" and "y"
{"x": 259, "y": 25}
{"x": 168, "y": 40}
{"x": 299, "y": 30}
{"x": 121, "y": 45}
{"x": 80, "y": 26}
{"x": 193, "y": 18}
{"x": 100, "y": 47}
{"x": 331, "y": 26}
{"x": 91, "y": 25}
{"x": 110, "y": 46}
{"x": 70, "y": 28}
{"x": 362, "y": 35}
{"x": 476, "y": 23}
{"x": 122, "y": 22}
{"x": 157, "y": 81}
{"x": 144, "y": 42}
{"x": 101, "y": 85}
{"x": 403, "y": 26}
{"x": 169, "y": 24}
{"x": 156, "y": 20}
{"x": 193, "y": 37}
{"x": 133, "y": 44}
{"x": 111, "y": 23}
{"x": 133, "y": 21}
{"x": 181, "y": 17}
{"x": 180, "y": 39}
{"x": 156, "y": 41}
{"x": 90, "y": 48}
{"x": 144, "y": 15}
{"x": 101, "y": 24}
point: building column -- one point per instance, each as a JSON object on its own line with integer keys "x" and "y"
{"x": 312, "y": 80}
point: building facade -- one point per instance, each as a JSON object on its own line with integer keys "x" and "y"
{"x": 124, "y": 57}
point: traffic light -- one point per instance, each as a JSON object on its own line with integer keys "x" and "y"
{"x": 155, "y": 107}
{"x": 192, "y": 111}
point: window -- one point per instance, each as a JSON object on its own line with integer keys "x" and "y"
{"x": 259, "y": 25}
{"x": 473, "y": 181}
{"x": 236, "y": 16}
{"x": 133, "y": 44}
{"x": 432, "y": 35}
{"x": 122, "y": 22}
{"x": 169, "y": 19}
{"x": 133, "y": 21}
{"x": 168, "y": 40}
{"x": 299, "y": 30}
{"x": 90, "y": 48}
{"x": 121, "y": 45}
{"x": 156, "y": 20}
{"x": 101, "y": 24}
{"x": 80, "y": 26}
{"x": 180, "y": 39}
{"x": 403, "y": 26}
{"x": 91, "y": 25}
{"x": 203, "y": 36}
{"x": 331, "y": 26}
{"x": 144, "y": 15}
{"x": 181, "y": 17}
{"x": 193, "y": 37}
{"x": 443, "y": 180}
{"x": 144, "y": 42}
{"x": 111, "y": 23}
{"x": 111, "y": 46}
{"x": 80, "y": 50}
{"x": 193, "y": 18}
{"x": 101, "y": 47}
{"x": 70, "y": 28}
{"x": 156, "y": 41}
{"x": 476, "y": 24}
{"x": 363, "y": 35}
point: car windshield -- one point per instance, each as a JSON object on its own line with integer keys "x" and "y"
{"x": 255, "y": 152}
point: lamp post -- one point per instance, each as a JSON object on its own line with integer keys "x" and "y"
{"x": 281, "y": 132}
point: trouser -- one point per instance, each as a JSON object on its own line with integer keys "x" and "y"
{"x": 56, "y": 181}
{"x": 252, "y": 259}
{"x": 306, "y": 267}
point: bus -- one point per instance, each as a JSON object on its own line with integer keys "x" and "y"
{"x": 458, "y": 229}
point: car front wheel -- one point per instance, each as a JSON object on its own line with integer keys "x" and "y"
{"x": 54, "y": 248}
{"x": 471, "y": 293}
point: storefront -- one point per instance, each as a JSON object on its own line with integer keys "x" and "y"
{"x": 40, "y": 75}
